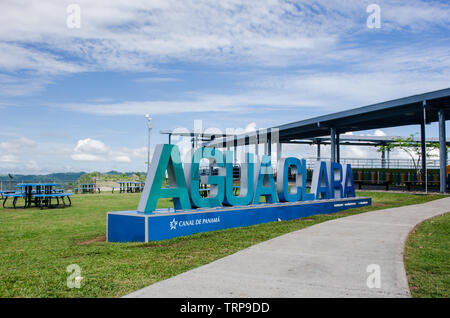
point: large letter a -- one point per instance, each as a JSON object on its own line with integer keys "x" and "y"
{"x": 166, "y": 157}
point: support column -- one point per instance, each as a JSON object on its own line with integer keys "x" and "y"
{"x": 383, "y": 159}
{"x": 279, "y": 150}
{"x": 235, "y": 149}
{"x": 388, "y": 158}
{"x": 246, "y": 147}
{"x": 170, "y": 139}
{"x": 333, "y": 144}
{"x": 257, "y": 145}
{"x": 442, "y": 151}
{"x": 338, "y": 149}
{"x": 269, "y": 146}
{"x": 424, "y": 155}
{"x": 318, "y": 150}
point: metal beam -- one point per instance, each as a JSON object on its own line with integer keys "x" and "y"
{"x": 384, "y": 107}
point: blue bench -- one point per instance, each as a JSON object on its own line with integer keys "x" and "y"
{"x": 48, "y": 196}
{"x": 40, "y": 199}
{"x": 129, "y": 189}
{"x": 85, "y": 190}
{"x": 3, "y": 193}
{"x": 14, "y": 195}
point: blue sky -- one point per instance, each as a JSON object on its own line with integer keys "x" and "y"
{"x": 74, "y": 99}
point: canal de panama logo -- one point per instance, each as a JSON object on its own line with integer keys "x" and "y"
{"x": 173, "y": 224}
{"x": 193, "y": 222}
{"x": 330, "y": 180}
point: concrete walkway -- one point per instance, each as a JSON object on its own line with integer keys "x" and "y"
{"x": 329, "y": 259}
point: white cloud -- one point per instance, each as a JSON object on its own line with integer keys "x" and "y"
{"x": 250, "y": 127}
{"x": 133, "y": 35}
{"x": 17, "y": 155}
{"x": 95, "y": 150}
{"x": 9, "y": 150}
{"x": 156, "y": 80}
{"x": 16, "y": 57}
{"x": 417, "y": 14}
{"x": 8, "y": 158}
{"x": 91, "y": 146}
{"x": 379, "y": 133}
{"x": 326, "y": 91}
{"x": 136, "y": 35}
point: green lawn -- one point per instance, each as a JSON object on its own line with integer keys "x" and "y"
{"x": 427, "y": 258}
{"x": 36, "y": 246}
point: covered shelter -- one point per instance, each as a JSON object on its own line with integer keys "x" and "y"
{"x": 418, "y": 109}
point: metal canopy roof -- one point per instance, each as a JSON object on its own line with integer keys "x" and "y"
{"x": 398, "y": 112}
{"x": 204, "y": 136}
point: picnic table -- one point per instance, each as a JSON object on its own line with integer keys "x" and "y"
{"x": 204, "y": 190}
{"x": 41, "y": 194}
{"x": 86, "y": 188}
{"x": 129, "y": 186}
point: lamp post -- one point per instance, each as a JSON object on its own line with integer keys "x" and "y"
{"x": 150, "y": 126}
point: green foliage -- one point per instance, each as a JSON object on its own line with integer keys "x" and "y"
{"x": 412, "y": 147}
{"x": 131, "y": 176}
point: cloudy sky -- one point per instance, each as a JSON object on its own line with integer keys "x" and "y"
{"x": 74, "y": 99}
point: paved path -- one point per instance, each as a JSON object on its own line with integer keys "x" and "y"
{"x": 329, "y": 259}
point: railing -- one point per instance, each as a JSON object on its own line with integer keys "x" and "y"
{"x": 7, "y": 185}
{"x": 379, "y": 163}
{"x": 363, "y": 163}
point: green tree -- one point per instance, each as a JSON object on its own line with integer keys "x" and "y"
{"x": 412, "y": 147}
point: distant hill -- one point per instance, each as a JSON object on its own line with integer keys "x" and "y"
{"x": 116, "y": 172}
{"x": 53, "y": 177}
{"x": 70, "y": 180}
{"x": 112, "y": 176}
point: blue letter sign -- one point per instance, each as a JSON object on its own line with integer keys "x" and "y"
{"x": 330, "y": 180}
{"x": 245, "y": 196}
{"x": 166, "y": 157}
{"x": 217, "y": 183}
{"x": 206, "y": 212}
{"x": 265, "y": 183}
